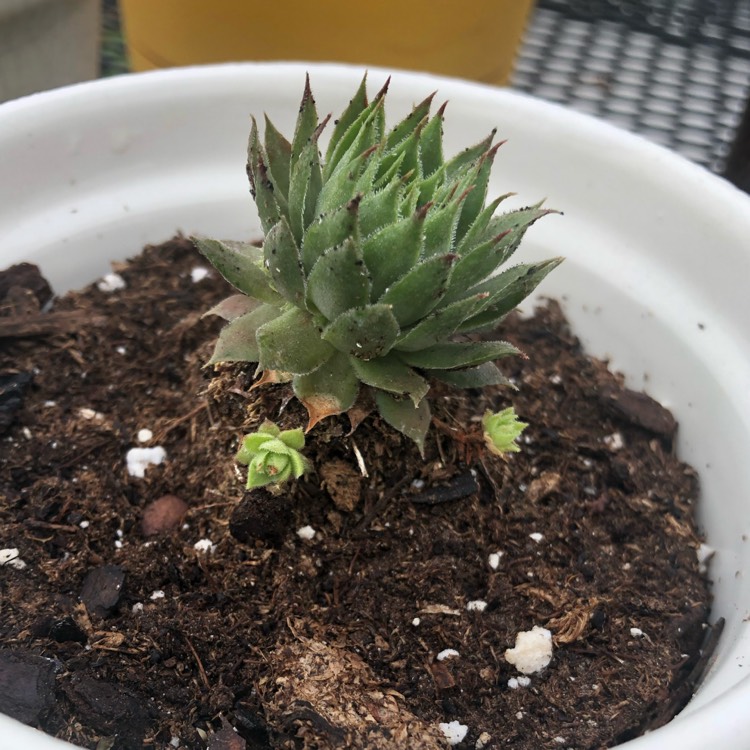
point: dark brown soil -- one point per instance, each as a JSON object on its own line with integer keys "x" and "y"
{"x": 332, "y": 641}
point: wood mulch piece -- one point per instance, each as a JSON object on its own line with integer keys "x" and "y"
{"x": 143, "y": 621}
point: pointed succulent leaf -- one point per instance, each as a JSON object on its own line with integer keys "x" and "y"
{"x": 294, "y": 439}
{"x": 416, "y": 293}
{"x": 343, "y": 185}
{"x": 307, "y": 122}
{"x": 406, "y": 154}
{"x": 401, "y": 414}
{"x": 241, "y": 264}
{"x": 363, "y": 332}
{"x": 390, "y": 374}
{"x": 237, "y": 341}
{"x": 410, "y": 201}
{"x": 476, "y": 234}
{"x": 270, "y": 208}
{"x": 329, "y": 231}
{"x": 339, "y": 280}
{"x": 304, "y": 188}
{"x": 406, "y": 127}
{"x": 279, "y": 152}
{"x": 282, "y": 259}
{"x": 390, "y": 253}
{"x": 475, "y": 267}
{"x": 232, "y": 307}
{"x": 517, "y": 222}
{"x": 475, "y": 199}
{"x": 472, "y": 377}
{"x": 329, "y": 390}
{"x": 431, "y": 145}
{"x": 468, "y": 156}
{"x": 453, "y": 354}
{"x": 354, "y": 109}
{"x": 364, "y": 133}
{"x": 439, "y": 325}
{"x": 440, "y": 227}
{"x": 291, "y": 342}
{"x": 508, "y": 290}
{"x": 391, "y": 174}
{"x": 379, "y": 208}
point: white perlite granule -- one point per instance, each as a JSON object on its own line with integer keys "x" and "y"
{"x": 532, "y": 652}
{"x": 494, "y": 559}
{"x": 158, "y": 594}
{"x": 144, "y": 435}
{"x": 205, "y": 545}
{"x": 111, "y": 283}
{"x": 536, "y": 536}
{"x": 139, "y": 459}
{"x": 454, "y": 732}
{"x": 10, "y": 557}
{"x": 306, "y": 532}
{"x": 478, "y": 605}
{"x": 447, "y": 653}
{"x": 198, "y": 274}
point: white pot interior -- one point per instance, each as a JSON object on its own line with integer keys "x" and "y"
{"x": 655, "y": 278}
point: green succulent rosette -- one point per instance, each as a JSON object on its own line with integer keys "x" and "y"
{"x": 379, "y": 261}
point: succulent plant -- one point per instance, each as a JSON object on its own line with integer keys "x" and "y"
{"x": 501, "y": 429}
{"x": 272, "y": 456}
{"x": 378, "y": 262}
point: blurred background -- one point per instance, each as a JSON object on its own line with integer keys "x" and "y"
{"x": 675, "y": 71}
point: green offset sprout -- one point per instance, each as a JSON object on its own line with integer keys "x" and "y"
{"x": 501, "y": 430}
{"x": 272, "y": 456}
{"x": 379, "y": 260}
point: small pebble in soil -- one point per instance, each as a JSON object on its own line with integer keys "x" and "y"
{"x": 306, "y": 532}
{"x": 454, "y": 731}
{"x": 144, "y": 435}
{"x": 205, "y": 545}
{"x": 478, "y": 605}
{"x": 494, "y": 559}
{"x": 447, "y": 653}
{"x": 112, "y": 282}
{"x": 532, "y": 652}
{"x": 163, "y": 515}
{"x": 102, "y": 588}
{"x": 139, "y": 459}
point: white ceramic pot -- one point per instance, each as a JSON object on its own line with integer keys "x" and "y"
{"x": 47, "y": 43}
{"x": 658, "y": 260}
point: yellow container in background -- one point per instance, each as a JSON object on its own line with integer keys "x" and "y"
{"x": 474, "y": 39}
